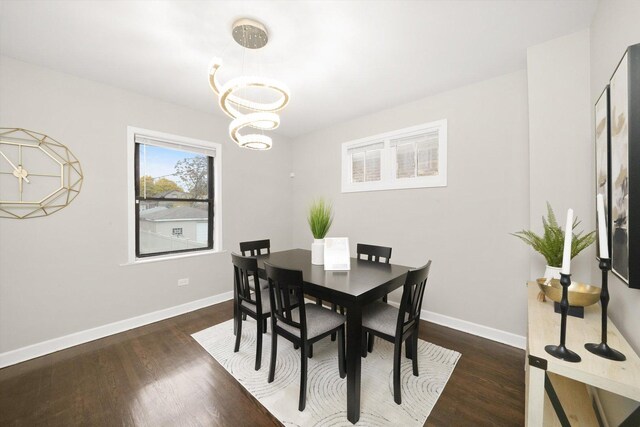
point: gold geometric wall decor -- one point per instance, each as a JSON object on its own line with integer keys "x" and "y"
{"x": 38, "y": 175}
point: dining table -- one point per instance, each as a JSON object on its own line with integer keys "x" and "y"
{"x": 353, "y": 289}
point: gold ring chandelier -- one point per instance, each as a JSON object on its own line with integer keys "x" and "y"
{"x": 247, "y": 113}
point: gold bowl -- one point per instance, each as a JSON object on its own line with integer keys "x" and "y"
{"x": 580, "y": 295}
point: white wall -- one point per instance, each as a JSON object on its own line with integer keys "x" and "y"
{"x": 616, "y": 25}
{"x": 64, "y": 273}
{"x": 560, "y": 145}
{"x": 479, "y": 270}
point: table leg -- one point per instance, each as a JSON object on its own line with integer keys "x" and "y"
{"x": 354, "y": 343}
{"x": 534, "y": 403}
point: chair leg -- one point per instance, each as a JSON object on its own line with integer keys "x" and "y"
{"x": 364, "y": 344}
{"x": 370, "y": 344}
{"x": 274, "y": 352}
{"x": 342, "y": 360}
{"x": 384, "y": 298}
{"x": 397, "y": 355}
{"x": 303, "y": 379}
{"x": 244, "y": 316}
{"x": 238, "y": 335}
{"x": 264, "y": 325}
{"x": 334, "y": 307}
{"x": 235, "y": 316}
{"x": 296, "y": 346}
{"x": 408, "y": 349}
{"x": 414, "y": 352}
{"x": 310, "y": 352}
{"x": 259, "y": 327}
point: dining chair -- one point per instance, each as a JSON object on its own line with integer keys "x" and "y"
{"x": 398, "y": 325}
{"x": 255, "y": 247}
{"x": 249, "y": 301}
{"x": 381, "y": 254}
{"x": 373, "y": 253}
{"x": 302, "y": 325}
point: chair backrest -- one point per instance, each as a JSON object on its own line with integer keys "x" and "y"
{"x": 412, "y": 295}
{"x": 374, "y": 253}
{"x": 255, "y": 247}
{"x": 245, "y": 269}
{"x": 284, "y": 284}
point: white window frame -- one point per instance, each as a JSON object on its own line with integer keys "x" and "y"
{"x": 388, "y": 180}
{"x": 181, "y": 143}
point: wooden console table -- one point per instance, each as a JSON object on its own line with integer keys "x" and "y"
{"x": 557, "y": 377}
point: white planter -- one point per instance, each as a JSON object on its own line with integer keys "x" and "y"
{"x": 552, "y": 272}
{"x": 317, "y": 252}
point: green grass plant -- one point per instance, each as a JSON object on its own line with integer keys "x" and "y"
{"x": 320, "y": 218}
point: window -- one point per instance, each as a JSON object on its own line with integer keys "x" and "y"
{"x": 416, "y": 155}
{"x": 174, "y": 191}
{"x": 365, "y": 162}
{"x": 407, "y": 158}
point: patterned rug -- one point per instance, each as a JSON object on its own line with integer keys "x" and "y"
{"x": 327, "y": 392}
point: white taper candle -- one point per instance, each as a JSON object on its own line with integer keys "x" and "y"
{"x": 602, "y": 229}
{"x": 566, "y": 256}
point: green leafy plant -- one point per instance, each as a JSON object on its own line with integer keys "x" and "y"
{"x": 320, "y": 218}
{"x": 551, "y": 243}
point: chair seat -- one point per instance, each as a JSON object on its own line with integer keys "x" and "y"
{"x": 380, "y": 317}
{"x": 266, "y": 303}
{"x": 263, "y": 284}
{"x": 319, "y": 321}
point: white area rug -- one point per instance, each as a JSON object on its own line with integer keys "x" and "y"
{"x": 327, "y": 392}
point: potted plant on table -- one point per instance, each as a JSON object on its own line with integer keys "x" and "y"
{"x": 550, "y": 244}
{"x": 320, "y": 219}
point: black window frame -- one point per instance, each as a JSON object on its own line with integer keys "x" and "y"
{"x": 138, "y": 198}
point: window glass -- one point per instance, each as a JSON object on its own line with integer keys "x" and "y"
{"x": 428, "y": 158}
{"x": 406, "y": 160}
{"x": 372, "y": 165}
{"x": 172, "y": 174}
{"x": 172, "y": 226}
{"x": 357, "y": 167}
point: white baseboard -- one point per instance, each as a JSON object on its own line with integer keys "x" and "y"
{"x": 473, "y": 328}
{"x": 40, "y": 349}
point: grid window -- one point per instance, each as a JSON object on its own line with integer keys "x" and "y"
{"x": 407, "y": 158}
{"x": 174, "y": 199}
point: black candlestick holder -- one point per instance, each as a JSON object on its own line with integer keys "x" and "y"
{"x": 561, "y": 351}
{"x": 603, "y": 349}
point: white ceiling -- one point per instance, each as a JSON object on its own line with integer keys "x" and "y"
{"x": 340, "y": 59}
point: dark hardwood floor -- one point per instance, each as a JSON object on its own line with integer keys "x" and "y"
{"x": 157, "y": 375}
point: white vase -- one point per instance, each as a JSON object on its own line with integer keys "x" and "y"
{"x": 552, "y": 272}
{"x": 317, "y": 252}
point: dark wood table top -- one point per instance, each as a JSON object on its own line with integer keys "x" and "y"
{"x": 365, "y": 282}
